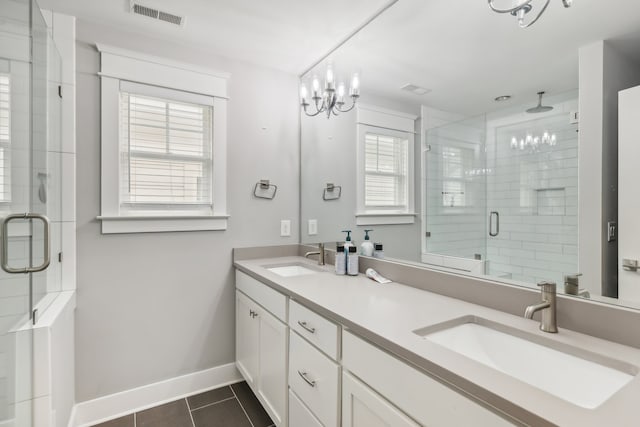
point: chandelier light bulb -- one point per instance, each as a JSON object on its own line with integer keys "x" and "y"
{"x": 315, "y": 84}
{"x": 514, "y": 142}
{"x": 355, "y": 82}
{"x": 303, "y": 93}
{"x": 341, "y": 91}
{"x": 330, "y": 82}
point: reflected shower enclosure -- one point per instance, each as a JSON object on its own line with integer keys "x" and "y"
{"x": 501, "y": 194}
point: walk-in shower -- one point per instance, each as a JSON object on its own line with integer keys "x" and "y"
{"x": 501, "y": 193}
{"x": 30, "y": 199}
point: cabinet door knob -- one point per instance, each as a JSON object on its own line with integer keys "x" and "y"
{"x": 307, "y": 327}
{"x": 305, "y": 377}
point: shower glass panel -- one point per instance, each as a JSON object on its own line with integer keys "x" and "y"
{"x": 501, "y": 191}
{"x": 456, "y": 190}
{"x": 30, "y": 183}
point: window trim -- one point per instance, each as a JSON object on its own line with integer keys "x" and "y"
{"x": 372, "y": 119}
{"x": 120, "y": 65}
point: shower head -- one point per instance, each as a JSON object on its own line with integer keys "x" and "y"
{"x": 539, "y": 108}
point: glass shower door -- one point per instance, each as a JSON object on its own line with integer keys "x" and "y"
{"x": 534, "y": 190}
{"x": 30, "y": 113}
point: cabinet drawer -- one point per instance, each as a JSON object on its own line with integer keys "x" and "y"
{"x": 272, "y": 300}
{"x": 321, "y": 332}
{"x": 424, "y": 399}
{"x": 315, "y": 379}
{"x": 299, "y": 415}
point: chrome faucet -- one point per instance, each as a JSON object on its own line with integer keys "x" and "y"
{"x": 319, "y": 252}
{"x": 547, "y": 306}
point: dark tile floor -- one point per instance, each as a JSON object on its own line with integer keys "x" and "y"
{"x": 230, "y": 406}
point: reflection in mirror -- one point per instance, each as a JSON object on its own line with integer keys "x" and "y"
{"x": 482, "y": 148}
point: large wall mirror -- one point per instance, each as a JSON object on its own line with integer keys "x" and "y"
{"x": 480, "y": 147}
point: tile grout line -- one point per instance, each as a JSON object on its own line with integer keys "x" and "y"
{"x": 241, "y": 407}
{"x": 211, "y": 404}
{"x": 193, "y": 423}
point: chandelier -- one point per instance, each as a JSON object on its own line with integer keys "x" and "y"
{"x": 534, "y": 143}
{"x": 521, "y": 9}
{"x": 329, "y": 100}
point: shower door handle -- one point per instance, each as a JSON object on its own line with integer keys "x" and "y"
{"x": 493, "y": 215}
{"x": 5, "y": 243}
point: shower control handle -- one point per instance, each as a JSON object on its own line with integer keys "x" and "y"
{"x": 493, "y": 215}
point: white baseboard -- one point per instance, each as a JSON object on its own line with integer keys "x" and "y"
{"x": 126, "y": 402}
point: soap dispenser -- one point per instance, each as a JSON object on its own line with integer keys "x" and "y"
{"x": 347, "y": 241}
{"x": 366, "y": 248}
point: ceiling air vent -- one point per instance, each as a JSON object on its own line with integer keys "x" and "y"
{"x": 415, "y": 89}
{"x": 160, "y": 15}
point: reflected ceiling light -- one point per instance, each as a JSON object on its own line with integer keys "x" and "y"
{"x": 521, "y": 9}
{"x": 502, "y": 98}
{"x": 533, "y": 143}
{"x": 329, "y": 100}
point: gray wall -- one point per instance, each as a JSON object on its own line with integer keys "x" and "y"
{"x": 329, "y": 152}
{"x": 619, "y": 73}
{"x": 603, "y": 73}
{"x": 155, "y": 306}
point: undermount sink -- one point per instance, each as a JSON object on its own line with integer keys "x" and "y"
{"x": 577, "y": 376}
{"x": 291, "y": 270}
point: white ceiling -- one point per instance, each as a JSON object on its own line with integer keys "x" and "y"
{"x": 467, "y": 54}
{"x": 288, "y": 35}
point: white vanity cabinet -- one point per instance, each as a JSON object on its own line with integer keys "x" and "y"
{"x": 425, "y": 400}
{"x": 309, "y": 372}
{"x": 261, "y": 344}
{"x": 363, "y": 407}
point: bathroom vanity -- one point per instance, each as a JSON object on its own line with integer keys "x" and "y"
{"x": 326, "y": 350}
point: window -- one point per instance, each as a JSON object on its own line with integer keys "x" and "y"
{"x": 453, "y": 178}
{"x": 163, "y": 138}
{"x": 5, "y": 138}
{"x": 165, "y": 152}
{"x": 385, "y": 167}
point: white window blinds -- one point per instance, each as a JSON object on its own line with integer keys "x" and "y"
{"x": 5, "y": 138}
{"x": 165, "y": 152}
{"x": 386, "y": 169}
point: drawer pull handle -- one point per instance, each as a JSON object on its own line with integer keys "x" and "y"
{"x": 304, "y": 376}
{"x": 253, "y": 314}
{"x": 307, "y": 328}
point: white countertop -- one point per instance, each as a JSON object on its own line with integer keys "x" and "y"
{"x": 388, "y": 315}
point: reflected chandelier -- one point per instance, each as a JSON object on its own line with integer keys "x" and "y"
{"x": 330, "y": 100}
{"x": 522, "y": 8}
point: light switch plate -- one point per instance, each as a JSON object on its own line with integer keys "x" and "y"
{"x": 285, "y": 228}
{"x": 312, "y": 227}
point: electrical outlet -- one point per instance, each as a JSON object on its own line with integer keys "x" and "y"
{"x": 312, "y": 227}
{"x": 285, "y": 228}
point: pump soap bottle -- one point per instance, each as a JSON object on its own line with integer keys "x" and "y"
{"x": 347, "y": 241}
{"x": 366, "y": 248}
{"x": 341, "y": 259}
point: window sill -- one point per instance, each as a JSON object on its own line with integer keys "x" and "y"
{"x": 384, "y": 218}
{"x": 160, "y": 224}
